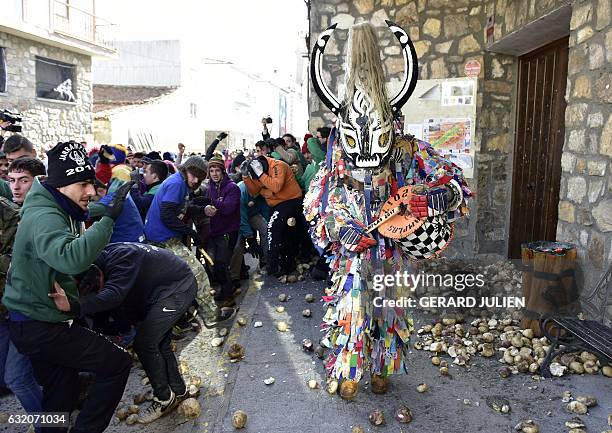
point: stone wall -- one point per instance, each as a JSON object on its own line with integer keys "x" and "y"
{"x": 448, "y": 33}
{"x": 46, "y": 122}
{"x": 585, "y": 206}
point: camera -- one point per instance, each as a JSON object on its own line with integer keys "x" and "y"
{"x": 268, "y": 119}
{"x": 12, "y": 118}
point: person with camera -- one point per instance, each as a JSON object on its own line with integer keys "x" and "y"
{"x": 265, "y": 133}
{"x": 275, "y": 181}
{"x": 50, "y": 246}
{"x": 149, "y": 287}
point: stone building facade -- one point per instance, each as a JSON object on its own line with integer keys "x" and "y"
{"x": 449, "y": 33}
{"x": 46, "y": 121}
{"x": 56, "y": 42}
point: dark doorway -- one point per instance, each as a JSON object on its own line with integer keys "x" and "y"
{"x": 540, "y": 132}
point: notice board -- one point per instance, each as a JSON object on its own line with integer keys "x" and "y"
{"x": 442, "y": 112}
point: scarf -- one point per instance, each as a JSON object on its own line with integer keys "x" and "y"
{"x": 71, "y": 208}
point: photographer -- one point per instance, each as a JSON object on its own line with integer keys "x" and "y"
{"x": 265, "y": 134}
{"x": 263, "y": 148}
{"x": 274, "y": 180}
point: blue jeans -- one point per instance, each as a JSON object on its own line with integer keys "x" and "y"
{"x": 16, "y": 373}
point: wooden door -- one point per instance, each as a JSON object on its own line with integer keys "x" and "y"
{"x": 540, "y": 132}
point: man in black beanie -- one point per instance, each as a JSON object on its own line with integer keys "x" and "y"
{"x": 50, "y": 246}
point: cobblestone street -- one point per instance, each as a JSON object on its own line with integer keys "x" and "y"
{"x": 455, "y": 403}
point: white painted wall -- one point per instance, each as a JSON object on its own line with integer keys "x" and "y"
{"x": 227, "y": 98}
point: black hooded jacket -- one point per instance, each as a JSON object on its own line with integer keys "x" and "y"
{"x": 136, "y": 276}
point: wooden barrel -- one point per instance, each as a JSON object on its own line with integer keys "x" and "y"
{"x": 549, "y": 280}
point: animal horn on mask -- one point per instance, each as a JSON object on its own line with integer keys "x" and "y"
{"x": 316, "y": 69}
{"x": 409, "y": 81}
{"x": 411, "y": 67}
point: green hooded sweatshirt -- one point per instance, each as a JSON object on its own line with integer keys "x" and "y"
{"x": 318, "y": 155}
{"x": 49, "y": 246}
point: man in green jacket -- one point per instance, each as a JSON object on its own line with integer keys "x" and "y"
{"x": 318, "y": 155}
{"x": 50, "y": 246}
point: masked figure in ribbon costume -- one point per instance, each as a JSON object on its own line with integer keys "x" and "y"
{"x": 369, "y": 171}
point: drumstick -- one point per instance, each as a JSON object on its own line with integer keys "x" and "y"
{"x": 207, "y": 257}
{"x": 371, "y": 227}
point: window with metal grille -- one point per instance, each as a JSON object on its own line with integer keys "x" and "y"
{"x": 55, "y": 80}
{"x": 3, "y": 73}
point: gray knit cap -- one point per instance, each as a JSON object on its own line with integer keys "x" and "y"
{"x": 196, "y": 162}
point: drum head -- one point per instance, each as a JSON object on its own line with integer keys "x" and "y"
{"x": 399, "y": 226}
{"x": 428, "y": 240}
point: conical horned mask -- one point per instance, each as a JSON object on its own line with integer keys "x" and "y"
{"x": 365, "y": 116}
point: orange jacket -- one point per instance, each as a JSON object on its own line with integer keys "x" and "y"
{"x": 276, "y": 186}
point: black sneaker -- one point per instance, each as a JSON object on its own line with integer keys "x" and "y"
{"x": 224, "y": 315}
{"x": 157, "y": 409}
{"x": 226, "y": 303}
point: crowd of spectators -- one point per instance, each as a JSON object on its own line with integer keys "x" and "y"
{"x": 136, "y": 247}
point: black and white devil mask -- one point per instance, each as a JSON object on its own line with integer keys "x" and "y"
{"x": 365, "y": 117}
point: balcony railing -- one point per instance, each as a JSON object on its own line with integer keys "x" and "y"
{"x": 80, "y": 24}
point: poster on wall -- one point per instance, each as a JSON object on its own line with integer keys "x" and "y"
{"x": 458, "y": 92}
{"x": 449, "y": 135}
{"x": 452, "y": 137}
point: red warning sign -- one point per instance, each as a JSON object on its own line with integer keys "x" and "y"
{"x": 472, "y": 68}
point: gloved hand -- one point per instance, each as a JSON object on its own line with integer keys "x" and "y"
{"x": 244, "y": 169}
{"x": 354, "y": 238}
{"x": 114, "y": 208}
{"x": 428, "y": 203}
{"x": 221, "y": 136}
{"x": 139, "y": 187}
{"x": 104, "y": 154}
{"x": 253, "y": 247}
{"x": 200, "y": 201}
{"x": 255, "y": 169}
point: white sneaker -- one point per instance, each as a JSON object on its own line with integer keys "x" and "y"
{"x": 157, "y": 409}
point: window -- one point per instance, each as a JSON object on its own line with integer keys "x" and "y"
{"x": 62, "y": 9}
{"x": 193, "y": 110}
{"x": 55, "y": 80}
{"x": 2, "y": 71}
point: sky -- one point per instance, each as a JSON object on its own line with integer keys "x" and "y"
{"x": 261, "y": 36}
